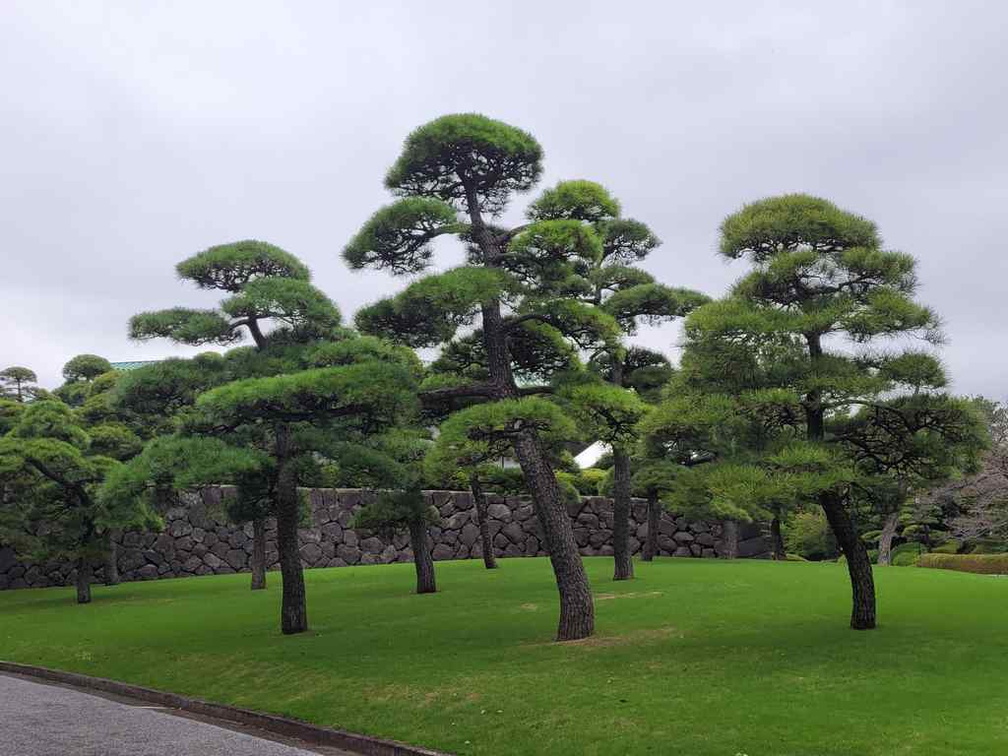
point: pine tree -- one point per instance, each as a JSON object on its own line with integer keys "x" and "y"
{"x": 309, "y": 391}
{"x": 454, "y": 176}
{"x": 841, "y": 422}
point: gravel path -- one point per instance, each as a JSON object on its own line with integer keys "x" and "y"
{"x": 49, "y": 720}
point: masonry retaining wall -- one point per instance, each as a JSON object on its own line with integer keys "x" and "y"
{"x": 198, "y": 540}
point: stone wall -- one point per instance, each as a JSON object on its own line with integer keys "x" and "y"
{"x": 197, "y": 540}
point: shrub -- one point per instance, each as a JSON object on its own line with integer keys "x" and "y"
{"x": 906, "y": 554}
{"x": 809, "y": 535}
{"x": 988, "y": 547}
{"x": 984, "y": 564}
{"x": 949, "y": 547}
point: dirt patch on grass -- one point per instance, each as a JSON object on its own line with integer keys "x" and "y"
{"x": 626, "y": 639}
{"x": 529, "y": 607}
{"x": 629, "y": 595}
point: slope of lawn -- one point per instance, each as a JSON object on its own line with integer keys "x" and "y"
{"x": 693, "y": 657}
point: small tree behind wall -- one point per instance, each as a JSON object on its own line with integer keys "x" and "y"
{"x": 394, "y": 511}
{"x": 50, "y": 478}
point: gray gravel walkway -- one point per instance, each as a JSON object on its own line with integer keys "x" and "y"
{"x": 49, "y": 720}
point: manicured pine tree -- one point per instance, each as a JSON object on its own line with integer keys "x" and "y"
{"x": 843, "y": 418}
{"x": 50, "y": 474}
{"x": 455, "y": 176}
{"x": 268, "y": 287}
{"x": 18, "y": 382}
{"x": 605, "y": 276}
{"x": 309, "y": 391}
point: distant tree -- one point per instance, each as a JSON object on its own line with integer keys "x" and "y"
{"x": 85, "y": 367}
{"x": 50, "y": 474}
{"x": 393, "y": 511}
{"x": 820, "y": 278}
{"x": 309, "y": 392}
{"x": 18, "y": 382}
{"x": 455, "y": 175}
{"x": 653, "y": 479}
{"x": 604, "y": 275}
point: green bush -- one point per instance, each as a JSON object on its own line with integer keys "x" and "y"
{"x": 873, "y": 556}
{"x": 988, "y": 547}
{"x": 906, "y": 554}
{"x": 949, "y": 547}
{"x": 871, "y": 537}
{"x": 809, "y": 535}
{"x": 984, "y": 564}
{"x": 587, "y": 481}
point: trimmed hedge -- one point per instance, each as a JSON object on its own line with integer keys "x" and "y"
{"x": 984, "y": 564}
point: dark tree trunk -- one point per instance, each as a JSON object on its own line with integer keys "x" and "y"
{"x": 654, "y": 511}
{"x": 730, "y": 535}
{"x": 777, "y": 541}
{"x": 293, "y": 607}
{"x": 422, "y": 560}
{"x": 623, "y": 564}
{"x": 83, "y": 580}
{"x": 858, "y": 564}
{"x": 480, "y": 503}
{"x": 112, "y": 560}
{"x": 886, "y": 539}
{"x": 577, "y": 609}
{"x": 258, "y": 555}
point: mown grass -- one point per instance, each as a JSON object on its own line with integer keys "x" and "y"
{"x": 693, "y": 657}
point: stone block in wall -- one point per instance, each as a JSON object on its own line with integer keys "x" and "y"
{"x": 7, "y": 558}
{"x": 236, "y": 558}
{"x": 683, "y": 536}
{"x": 442, "y": 552}
{"x": 372, "y": 545}
{"x": 311, "y": 553}
{"x": 682, "y": 551}
{"x": 350, "y": 538}
{"x": 499, "y": 513}
{"x": 708, "y": 554}
{"x": 695, "y": 549}
{"x": 469, "y": 534}
{"x": 349, "y": 554}
{"x": 753, "y": 547}
{"x": 514, "y": 533}
{"x": 705, "y": 539}
{"x": 179, "y": 528}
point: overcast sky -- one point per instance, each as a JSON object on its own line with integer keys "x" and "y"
{"x": 133, "y": 135}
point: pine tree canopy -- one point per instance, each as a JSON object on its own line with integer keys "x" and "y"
{"x": 467, "y": 160}
{"x": 231, "y": 267}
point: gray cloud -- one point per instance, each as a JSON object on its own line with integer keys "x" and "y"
{"x": 136, "y": 134}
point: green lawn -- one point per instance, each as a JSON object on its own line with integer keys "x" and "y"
{"x": 693, "y": 657}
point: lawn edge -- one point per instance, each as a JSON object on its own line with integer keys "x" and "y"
{"x": 365, "y": 745}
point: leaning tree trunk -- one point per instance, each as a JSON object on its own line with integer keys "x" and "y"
{"x": 858, "y": 564}
{"x": 653, "y": 522}
{"x": 258, "y": 554}
{"x": 577, "y": 609}
{"x": 422, "y": 559}
{"x": 777, "y": 540}
{"x": 293, "y": 607}
{"x": 111, "y": 560}
{"x": 730, "y": 533}
{"x": 623, "y": 564}
{"x": 886, "y": 539}
{"x": 480, "y": 503}
{"x": 83, "y": 580}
